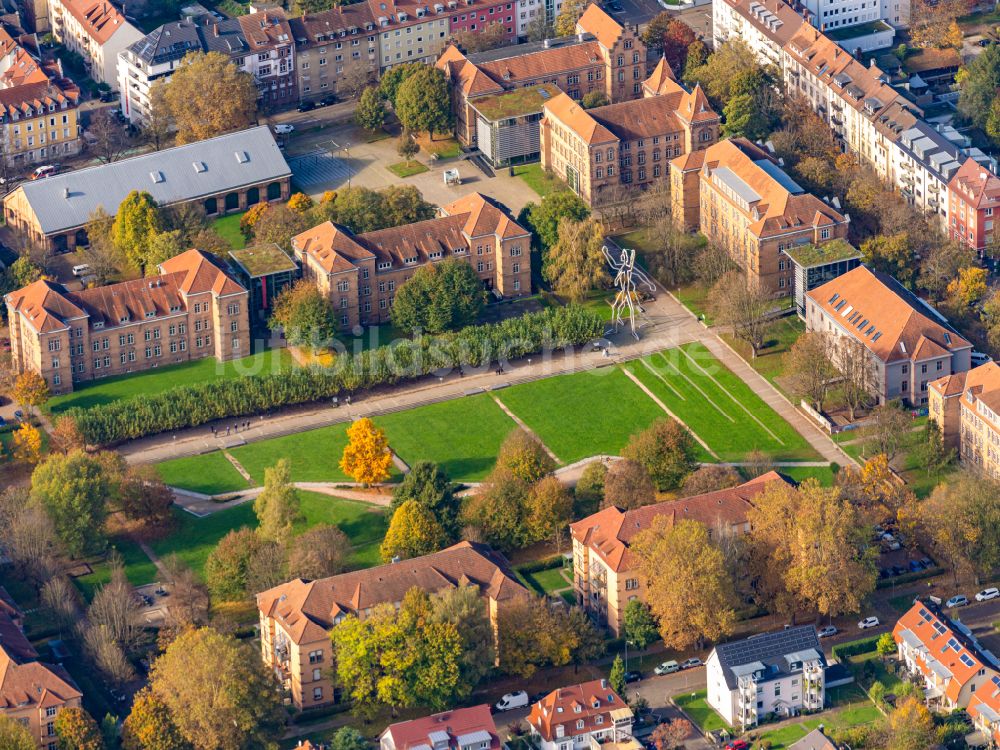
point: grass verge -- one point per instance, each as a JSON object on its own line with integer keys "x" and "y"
{"x": 404, "y": 169}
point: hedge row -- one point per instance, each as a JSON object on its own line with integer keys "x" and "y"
{"x": 844, "y": 651}
{"x": 475, "y": 346}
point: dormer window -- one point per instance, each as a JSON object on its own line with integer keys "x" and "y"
{"x": 596, "y": 704}
{"x": 579, "y": 724}
{"x": 384, "y": 265}
{"x": 578, "y": 709}
{"x": 123, "y": 319}
{"x": 598, "y": 719}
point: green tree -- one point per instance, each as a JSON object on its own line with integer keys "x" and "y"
{"x": 543, "y": 218}
{"x": 218, "y": 692}
{"x": 227, "y": 568}
{"x": 413, "y": 531}
{"x": 891, "y": 254}
{"x": 15, "y": 736}
{"x": 667, "y": 450}
{"x": 138, "y": 220}
{"x": 277, "y": 507}
{"x": 978, "y": 82}
{"x": 207, "y": 95}
{"x": 349, "y": 738}
{"x": 77, "y": 730}
{"x": 569, "y": 14}
{"x": 550, "y": 509}
{"x": 958, "y": 521}
{"x": 589, "y": 491}
{"x": 523, "y": 455}
{"x": 886, "y": 645}
{"x": 616, "y": 678}
{"x": 163, "y": 246}
{"x": 278, "y": 224}
{"x": 534, "y": 635}
{"x": 575, "y": 264}
{"x": 439, "y": 297}
{"x": 672, "y": 37}
{"x": 463, "y": 607}
{"x": 427, "y": 484}
{"x": 149, "y": 725}
{"x": 370, "y": 112}
{"x": 640, "y": 625}
{"x": 304, "y": 315}
{"x": 752, "y": 109}
{"x": 407, "y": 147}
{"x": 697, "y": 55}
{"x": 422, "y": 102}
{"x": 499, "y": 510}
{"x": 594, "y": 99}
{"x": 627, "y": 485}
{"x": 74, "y": 489}
{"x": 393, "y": 78}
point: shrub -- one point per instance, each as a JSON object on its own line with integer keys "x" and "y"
{"x": 475, "y": 346}
{"x": 844, "y": 651}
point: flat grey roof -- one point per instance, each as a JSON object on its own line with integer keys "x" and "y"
{"x": 65, "y": 202}
{"x": 735, "y": 183}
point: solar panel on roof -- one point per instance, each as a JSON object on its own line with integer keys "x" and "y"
{"x": 925, "y": 614}
{"x": 996, "y": 681}
{"x": 966, "y": 660}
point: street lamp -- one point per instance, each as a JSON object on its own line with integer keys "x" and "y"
{"x": 347, "y": 157}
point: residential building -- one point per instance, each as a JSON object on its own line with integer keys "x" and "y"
{"x": 583, "y": 717}
{"x": 974, "y": 199}
{"x": 476, "y": 17}
{"x": 743, "y": 201}
{"x": 606, "y": 574}
{"x": 334, "y": 46}
{"x": 984, "y": 710}
{"x": 770, "y": 674}
{"x": 872, "y": 120}
{"x": 192, "y": 309}
{"x": 32, "y": 692}
{"x": 814, "y": 265}
{"x": 410, "y": 30}
{"x": 909, "y": 343}
{"x": 602, "y": 150}
{"x": 360, "y": 273}
{"x": 815, "y": 740}
{"x": 38, "y": 110}
{"x": 469, "y": 728}
{"x": 533, "y": 12}
{"x": 265, "y": 271}
{"x": 223, "y": 174}
{"x": 944, "y": 654}
{"x": 97, "y": 31}
{"x": 35, "y": 14}
{"x": 604, "y": 56}
{"x": 270, "y": 57}
{"x": 296, "y": 617}
{"x": 966, "y": 407}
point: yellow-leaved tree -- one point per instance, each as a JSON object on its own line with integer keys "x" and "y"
{"x": 367, "y": 457}
{"x": 27, "y": 444}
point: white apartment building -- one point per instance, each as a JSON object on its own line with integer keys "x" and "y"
{"x": 96, "y": 31}
{"x": 401, "y": 40}
{"x": 529, "y": 11}
{"x": 780, "y": 673}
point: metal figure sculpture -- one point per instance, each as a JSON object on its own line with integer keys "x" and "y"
{"x": 625, "y": 281}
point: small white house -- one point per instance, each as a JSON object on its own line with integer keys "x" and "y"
{"x": 779, "y": 673}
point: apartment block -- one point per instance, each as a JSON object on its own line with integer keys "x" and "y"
{"x": 974, "y": 202}
{"x": 630, "y": 143}
{"x": 270, "y": 57}
{"x": 743, "y": 201}
{"x": 909, "y": 343}
{"x": 97, "y": 31}
{"x": 333, "y": 45}
{"x": 360, "y": 273}
{"x": 583, "y": 717}
{"x": 606, "y": 573}
{"x": 470, "y": 728}
{"x": 944, "y": 655}
{"x": 966, "y": 407}
{"x": 191, "y": 310}
{"x": 780, "y": 673}
{"x": 296, "y": 617}
{"x": 604, "y": 56}
{"x": 479, "y": 16}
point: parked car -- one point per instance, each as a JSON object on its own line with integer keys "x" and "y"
{"x": 633, "y": 676}
{"x": 827, "y": 631}
{"x": 868, "y": 622}
{"x": 44, "y": 171}
{"x": 957, "y": 601}
{"x": 916, "y": 566}
{"x": 327, "y": 100}
{"x": 738, "y": 745}
{"x": 19, "y": 415}
{"x": 81, "y": 269}
{"x": 986, "y": 594}
{"x": 668, "y": 667}
{"x": 284, "y": 128}
{"x": 926, "y": 562}
{"x": 307, "y": 106}
{"x": 691, "y": 663}
{"x": 511, "y": 701}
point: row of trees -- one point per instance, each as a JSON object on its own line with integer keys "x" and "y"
{"x": 477, "y": 346}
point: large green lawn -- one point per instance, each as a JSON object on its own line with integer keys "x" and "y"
{"x": 539, "y": 180}
{"x": 228, "y": 228}
{"x": 696, "y": 707}
{"x": 462, "y": 435}
{"x": 139, "y": 569}
{"x": 194, "y": 538}
{"x": 583, "y": 414}
{"x": 314, "y": 455}
{"x": 163, "y": 378}
{"x": 210, "y": 473}
{"x": 720, "y": 408}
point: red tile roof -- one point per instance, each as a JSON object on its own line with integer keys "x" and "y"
{"x": 565, "y": 707}
{"x": 978, "y": 384}
{"x": 975, "y": 185}
{"x": 98, "y": 18}
{"x": 451, "y": 726}
{"x": 984, "y": 708}
{"x": 609, "y": 532}
{"x": 597, "y": 22}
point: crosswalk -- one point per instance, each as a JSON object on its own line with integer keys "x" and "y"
{"x": 319, "y": 168}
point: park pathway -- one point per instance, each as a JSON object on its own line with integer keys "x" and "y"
{"x": 520, "y": 423}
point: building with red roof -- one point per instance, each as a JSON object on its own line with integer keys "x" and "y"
{"x": 469, "y": 728}
{"x": 973, "y": 205}
{"x": 97, "y": 31}
{"x": 605, "y": 570}
{"x": 966, "y": 408}
{"x": 944, "y": 653}
{"x": 984, "y": 710}
{"x": 582, "y": 716}
{"x": 192, "y": 309}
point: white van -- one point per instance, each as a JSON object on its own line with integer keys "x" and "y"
{"x": 512, "y": 700}
{"x": 81, "y": 269}
{"x": 46, "y": 171}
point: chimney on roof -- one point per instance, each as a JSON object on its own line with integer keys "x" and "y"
{"x": 546, "y": 43}
{"x": 579, "y": 37}
{"x": 871, "y": 62}
{"x": 66, "y": 193}
{"x": 215, "y": 29}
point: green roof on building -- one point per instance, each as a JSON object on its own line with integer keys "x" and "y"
{"x": 526, "y": 101}
{"x": 262, "y": 260}
{"x": 808, "y": 256}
